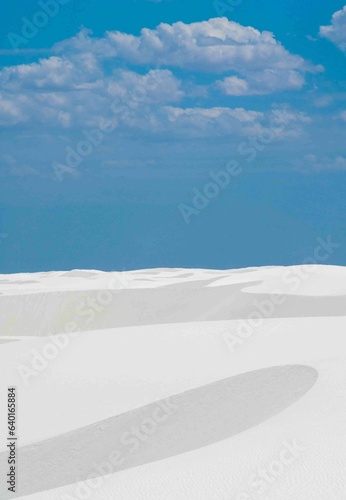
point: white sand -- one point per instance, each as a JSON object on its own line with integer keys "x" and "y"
{"x": 177, "y": 333}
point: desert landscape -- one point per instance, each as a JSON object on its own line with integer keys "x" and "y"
{"x": 177, "y": 383}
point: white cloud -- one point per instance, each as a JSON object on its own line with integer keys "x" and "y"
{"x": 340, "y": 163}
{"x": 207, "y": 122}
{"x": 12, "y": 109}
{"x": 53, "y": 73}
{"x": 336, "y": 32}
{"x": 312, "y": 162}
{"x": 262, "y": 82}
{"x": 285, "y": 116}
{"x": 239, "y": 114}
{"x": 133, "y": 101}
{"x": 61, "y": 92}
{"x": 323, "y": 101}
{"x": 233, "y": 85}
{"x": 156, "y": 86}
{"x": 217, "y": 45}
{"x": 258, "y": 62}
{"x": 78, "y": 87}
{"x": 231, "y": 122}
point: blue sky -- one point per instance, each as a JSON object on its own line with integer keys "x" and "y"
{"x": 117, "y": 117}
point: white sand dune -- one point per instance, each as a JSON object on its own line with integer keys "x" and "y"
{"x": 186, "y": 422}
{"x": 50, "y": 303}
{"x": 177, "y": 383}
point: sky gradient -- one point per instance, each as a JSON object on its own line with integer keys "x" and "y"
{"x": 171, "y": 134}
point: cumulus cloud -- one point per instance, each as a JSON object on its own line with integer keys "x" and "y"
{"x": 336, "y": 31}
{"x": 256, "y": 63}
{"x": 234, "y": 123}
{"x": 56, "y": 92}
{"x": 219, "y": 121}
{"x": 187, "y": 123}
{"x": 156, "y": 86}
{"x": 53, "y": 73}
{"x": 217, "y": 45}
{"x": 267, "y": 81}
{"x": 89, "y": 79}
{"x": 286, "y": 116}
{"x": 65, "y": 92}
{"x": 239, "y": 114}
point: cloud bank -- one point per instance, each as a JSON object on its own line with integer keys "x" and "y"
{"x": 88, "y": 79}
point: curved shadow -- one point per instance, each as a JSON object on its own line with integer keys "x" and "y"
{"x": 180, "y": 424}
{"x": 42, "y": 312}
